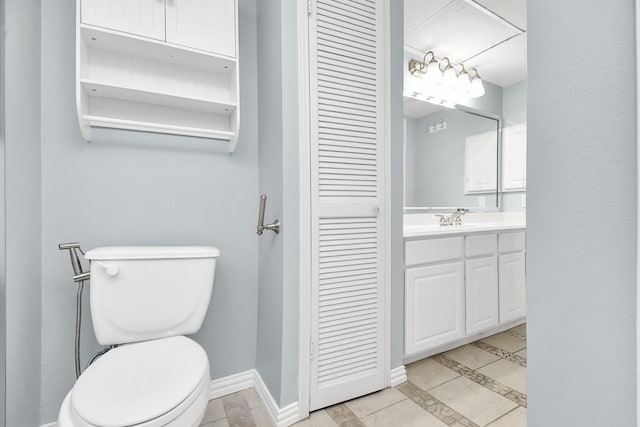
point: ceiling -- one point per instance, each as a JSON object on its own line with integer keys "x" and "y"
{"x": 489, "y": 35}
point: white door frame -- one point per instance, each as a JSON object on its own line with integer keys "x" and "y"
{"x": 305, "y": 8}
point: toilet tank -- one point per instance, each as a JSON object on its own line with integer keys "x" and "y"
{"x": 140, "y": 293}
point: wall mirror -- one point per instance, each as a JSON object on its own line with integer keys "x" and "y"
{"x": 451, "y": 160}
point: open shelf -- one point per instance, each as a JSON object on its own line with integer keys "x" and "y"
{"x": 105, "y": 90}
{"x": 109, "y": 122}
{"x": 109, "y": 40}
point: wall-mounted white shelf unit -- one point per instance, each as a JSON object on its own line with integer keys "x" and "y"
{"x": 133, "y": 81}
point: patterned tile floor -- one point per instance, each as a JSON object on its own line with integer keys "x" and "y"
{"x": 479, "y": 384}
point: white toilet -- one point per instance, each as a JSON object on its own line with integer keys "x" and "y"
{"x": 145, "y": 299}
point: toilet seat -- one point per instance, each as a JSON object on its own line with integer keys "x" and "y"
{"x": 146, "y": 384}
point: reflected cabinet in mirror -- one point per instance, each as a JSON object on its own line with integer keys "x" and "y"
{"x": 451, "y": 160}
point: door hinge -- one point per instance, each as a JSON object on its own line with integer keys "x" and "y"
{"x": 309, "y": 7}
{"x": 311, "y": 349}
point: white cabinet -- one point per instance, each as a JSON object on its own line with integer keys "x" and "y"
{"x": 166, "y": 66}
{"x": 434, "y": 306}
{"x": 462, "y": 285}
{"x": 481, "y": 282}
{"x": 480, "y": 163}
{"x": 512, "y": 276}
{"x": 202, "y": 24}
{"x": 514, "y": 158}
{"x": 141, "y": 17}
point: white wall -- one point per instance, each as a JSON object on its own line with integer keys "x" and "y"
{"x": 582, "y": 215}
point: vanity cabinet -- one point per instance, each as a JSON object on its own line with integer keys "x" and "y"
{"x": 459, "y": 286}
{"x": 435, "y": 305}
{"x": 512, "y": 276}
{"x": 481, "y": 282}
{"x": 165, "y": 66}
{"x": 434, "y": 281}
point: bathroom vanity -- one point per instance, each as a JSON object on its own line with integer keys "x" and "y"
{"x": 461, "y": 282}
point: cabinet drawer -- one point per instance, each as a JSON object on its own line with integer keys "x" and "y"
{"x": 432, "y": 250}
{"x": 484, "y": 244}
{"x": 511, "y": 242}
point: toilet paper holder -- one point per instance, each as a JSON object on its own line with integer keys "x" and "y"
{"x": 274, "y": 226}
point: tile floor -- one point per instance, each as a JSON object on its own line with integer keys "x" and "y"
{"x": 480, "y": 384}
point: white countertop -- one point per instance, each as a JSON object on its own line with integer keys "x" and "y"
{"x": 426, "y": 225}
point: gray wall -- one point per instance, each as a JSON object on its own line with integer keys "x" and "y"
{"x": 291, "y": 203}
{"x": 270, "y": 301}
{"x": 135, "y": 188}
{"x": 581, "y": 270}
{"x": 22, "y": 220}
{"x": 514, "y": 104}
{"x": 3, "y": 288}
{"x": 396, "y": 17}
{"x": 439, "y": 169}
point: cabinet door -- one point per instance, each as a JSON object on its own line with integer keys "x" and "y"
{"x": 480, "y": 163}
{"x": 512, "y": 280}
{"x": 481, "y": 288}
{"x": 434, "y": 306}
{"x": 141, "y": 17}
{"x": 514, "y": 158}
{"x": 203, "y": 24}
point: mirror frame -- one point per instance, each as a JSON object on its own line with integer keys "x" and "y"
{"x": 498, "y": 205}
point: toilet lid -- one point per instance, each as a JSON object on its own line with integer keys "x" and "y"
{"x": 138, "y": 382}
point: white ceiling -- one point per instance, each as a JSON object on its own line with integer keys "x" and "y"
{"x": 489, "y": 35}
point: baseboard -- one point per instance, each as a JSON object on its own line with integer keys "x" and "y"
{"x": 281, "y": 417}
{"x": 397, "y": 376}
{"x": 232, "y": 384}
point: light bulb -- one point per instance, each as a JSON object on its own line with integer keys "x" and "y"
{"x": 449, "y": 78}
{"x": 464, "y": 83}
{"x": 477, "y": 88}
{"x": 434, "y": 74}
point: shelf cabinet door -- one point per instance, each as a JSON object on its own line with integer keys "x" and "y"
{"x": 203, "y": 24}
{"x": 434, "y": 306}
{"x": 140, "y": 17}
{"x": 512, "y": 279}
{"x": 481, "y": 288}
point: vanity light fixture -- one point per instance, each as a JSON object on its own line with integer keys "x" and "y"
{"x": 438, "y": 80}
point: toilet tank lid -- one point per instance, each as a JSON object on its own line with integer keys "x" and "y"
{"x": 151, "y": 252}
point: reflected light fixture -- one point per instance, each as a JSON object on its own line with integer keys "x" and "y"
{"x": 437, "y": 80}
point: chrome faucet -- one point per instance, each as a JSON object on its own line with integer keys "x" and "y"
{"x": 453, "y": 219}
{"x": 456, "y": 217}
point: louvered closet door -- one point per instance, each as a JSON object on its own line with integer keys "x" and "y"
{"x": 347, "y": 216}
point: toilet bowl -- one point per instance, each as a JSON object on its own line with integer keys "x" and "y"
{"x": 146, "y": 298}
{"x": 157, "y": 383}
